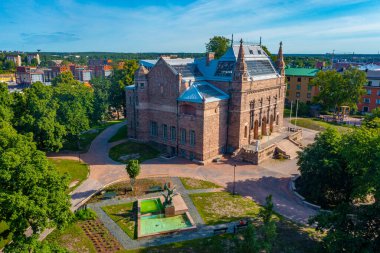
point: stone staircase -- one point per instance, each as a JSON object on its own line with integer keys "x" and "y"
{"x": 288, "y": 148}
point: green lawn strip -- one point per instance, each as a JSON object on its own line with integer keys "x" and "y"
{"x": 73, "y": 238}
{"x": 123, "y": 215}
{"x": 144, "y": 151}
{"x": 223, "y": 207}
{"x": 77, "y": 171}
{"x": 5, "y": 236}
{"x": 192, "y": 184}
{"x": 151, "y": 206}
{"x": 218, "y": 243}
{"x": 318, "y": 125}
{"x": 121, "y": 134}
{"x": 87, "y": 137}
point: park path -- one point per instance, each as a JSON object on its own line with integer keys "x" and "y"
{"x": 253, "y": 181}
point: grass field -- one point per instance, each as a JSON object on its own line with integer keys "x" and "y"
{"x": 318, "y": 125}
{"x": 121, "y": 134}
{"x": 76, "y": 170}
{"x": 124, "y": 217}
{"x": 223, "y": 207}
{"x": 192, "y": 184}
{"x": 72, "y": 238}
{"x": 87, "y": 137}
{"x": 144, "y": 151}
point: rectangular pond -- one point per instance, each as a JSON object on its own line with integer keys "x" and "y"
{"x": 151, "y": 219}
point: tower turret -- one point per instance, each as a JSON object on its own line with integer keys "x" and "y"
{"x": 280, "y": 63}
{"x": 241, "y": 70}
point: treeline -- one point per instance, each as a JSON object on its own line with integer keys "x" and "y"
{"x": 59, "y": 113}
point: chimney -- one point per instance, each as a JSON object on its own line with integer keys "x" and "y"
{"x": 209, "y": 57}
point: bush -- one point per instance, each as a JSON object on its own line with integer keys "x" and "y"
{"x": 85, "y": 214}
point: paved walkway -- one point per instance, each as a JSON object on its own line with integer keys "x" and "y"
{"x": 256, "y": 182}
{"x": 202, "y": 230}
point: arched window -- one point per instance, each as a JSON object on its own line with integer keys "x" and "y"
{"x": 245, "y": 132}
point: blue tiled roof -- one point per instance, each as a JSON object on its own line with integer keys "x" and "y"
{"x": 202, "y": 91}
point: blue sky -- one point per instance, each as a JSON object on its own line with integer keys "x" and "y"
{"x": 310, "y": 26}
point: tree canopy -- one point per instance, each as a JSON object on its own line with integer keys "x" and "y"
{"x": 218, "y": 45}
{"x": 32, "y": 193}
{"x": 341, "y": 172}
{"x": 338, "y": 89}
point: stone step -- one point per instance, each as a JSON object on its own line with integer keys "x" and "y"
{"x": 289, "y": 148}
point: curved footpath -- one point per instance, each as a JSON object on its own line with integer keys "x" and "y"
{"x": 253, "y": 181}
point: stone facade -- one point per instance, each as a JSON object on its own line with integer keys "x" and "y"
{"x": 201, "y": 116}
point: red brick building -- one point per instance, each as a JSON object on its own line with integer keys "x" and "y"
{"x": 201, "y": 108}
{"x": 371, "y": 99}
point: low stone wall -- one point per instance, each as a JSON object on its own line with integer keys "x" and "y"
{"x": 255, "y": 157}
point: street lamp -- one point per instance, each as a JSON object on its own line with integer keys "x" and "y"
{"x": 233, "y": 190}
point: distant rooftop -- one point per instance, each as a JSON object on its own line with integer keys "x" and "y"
{"x": 301, "y": 72}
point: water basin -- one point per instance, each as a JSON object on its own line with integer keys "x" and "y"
{"x": 154, "y": 224}
{"x": 151, "y": 206}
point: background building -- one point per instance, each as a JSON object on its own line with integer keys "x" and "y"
{"x": 15, "y": 58}
{"x": 30, "y": 57}
{"x": 371, "y": 99}
{"x": 299, "y": 84}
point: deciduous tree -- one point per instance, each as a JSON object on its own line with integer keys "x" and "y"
{"x": 133, "y": 170}
{"x": 218, "y": 45}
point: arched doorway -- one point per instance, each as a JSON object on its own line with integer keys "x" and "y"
{"x": 271, "y": 123}
{"x": 256, "y": 130}
{"x": 264, "y": 126}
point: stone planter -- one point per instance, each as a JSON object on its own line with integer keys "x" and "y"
{"x": 169, "y": 211}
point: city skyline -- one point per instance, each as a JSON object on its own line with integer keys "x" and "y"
{"x": 313, "y": 26}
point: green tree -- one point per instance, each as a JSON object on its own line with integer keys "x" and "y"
{"x": 32, "y": 193}
{"x": 373, "y": 120}
{"x": 250, "y": 242}
{"x": 34, "y": 62}
{"x": 218, "y": 45}
{"x": 324, "y": 178}
{"x": 36, "y": 112}
{"x": 101, "y": 88}
{"x": 121, "y": 78}
{"x": 339, "y": 89}
{"x": 75, "y": 104}
{"x": 133, "y": 170}
{"x": 6, "y": 103}
{"x": 9, "y": 65}
{"x": 268, "y": 229}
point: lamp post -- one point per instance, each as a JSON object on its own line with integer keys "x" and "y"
{"x": 233, "y": 190}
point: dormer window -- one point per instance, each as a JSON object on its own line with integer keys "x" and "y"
{"x": 251, "y": 51}
{"x": 259, "y": 51}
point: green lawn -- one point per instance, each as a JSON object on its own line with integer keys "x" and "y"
{"x": 318, "y": 125}
{"x": 192, "y": 183}
{"x": 124, "y": 217}
{"x": 121, "y": 134}
{"x": 87, "y": 137}
{"x": 222, "y": 207}
{"x": 76, "y": 170}
{"x": 141, "y": 150}
{"x": 291, "y": 238}
{"x": 5, "y": 236}
{"x": 72, "y": 238}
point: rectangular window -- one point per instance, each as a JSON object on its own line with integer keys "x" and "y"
{"x": 298, "y": 94}
{"x": 141, "y": 85}
{"x": 309, "y": 87}
{"x": 378, "y": 101}
{"x": 192, "y": 137}
{"x": 164, "y": 131}
{"x": 369, "y": 83}
{"x": 153, "y": 128}
{"x": 298, "y": 87}
{"x": 130, "y": 100}
{"x": 308, "y": 95}
{"x": 369, "y": 92}
{"x": 173, "y": 133}
{"x": 298, "y": 79}
{"x": 366, "y": 100}
{"x": 183, "y": 136}
{"x": 378, "y": 92}
{"x": 191, "y": 156}
{"x": 288, "y": 78}
{"x": 288, "y": 86}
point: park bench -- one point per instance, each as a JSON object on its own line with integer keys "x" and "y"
{"x": 154, "y": 189}
{"x": 221, "y": 230}
{"x": 240, "y": 226}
